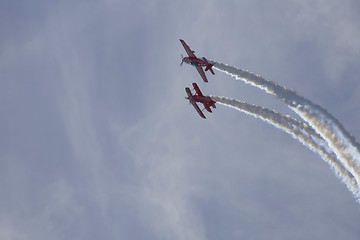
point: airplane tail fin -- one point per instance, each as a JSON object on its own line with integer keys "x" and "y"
{"x": 209, "y": 66}
{"x": 212, "y": 71}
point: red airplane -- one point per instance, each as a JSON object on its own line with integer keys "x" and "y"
{"x": 199, "y": 97}
{"x": 197, "y": 62}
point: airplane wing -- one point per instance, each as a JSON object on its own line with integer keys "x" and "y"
{"x": 190, "y": 97}
{"x": 197, "y": 89}
{"x": 202, "y": 73}
{"x": 187, "y": 49}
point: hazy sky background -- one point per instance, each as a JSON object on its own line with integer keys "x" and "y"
{"x": 97, "y": 141}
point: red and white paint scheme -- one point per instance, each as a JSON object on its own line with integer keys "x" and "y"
{"x": 196, "y": 62}
{"x": 199, "y": 97}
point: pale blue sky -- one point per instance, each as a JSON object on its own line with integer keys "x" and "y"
{"x": 97, "y": 141}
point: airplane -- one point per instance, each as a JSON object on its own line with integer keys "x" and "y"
{"x": 199, "y": 97}
{"x": 196, "y": 62}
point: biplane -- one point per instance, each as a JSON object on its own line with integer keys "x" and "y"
{"x": 199, "y": 97}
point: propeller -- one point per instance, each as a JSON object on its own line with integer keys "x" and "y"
{"x": 182, "y": 60}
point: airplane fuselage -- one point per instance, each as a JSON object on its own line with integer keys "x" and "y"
{"x": 206, "y": 101}
{"x": 195, "y": 61}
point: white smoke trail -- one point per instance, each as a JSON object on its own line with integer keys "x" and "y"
{"x": 298, "y": 130}
{"x": 340, "y": 141}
